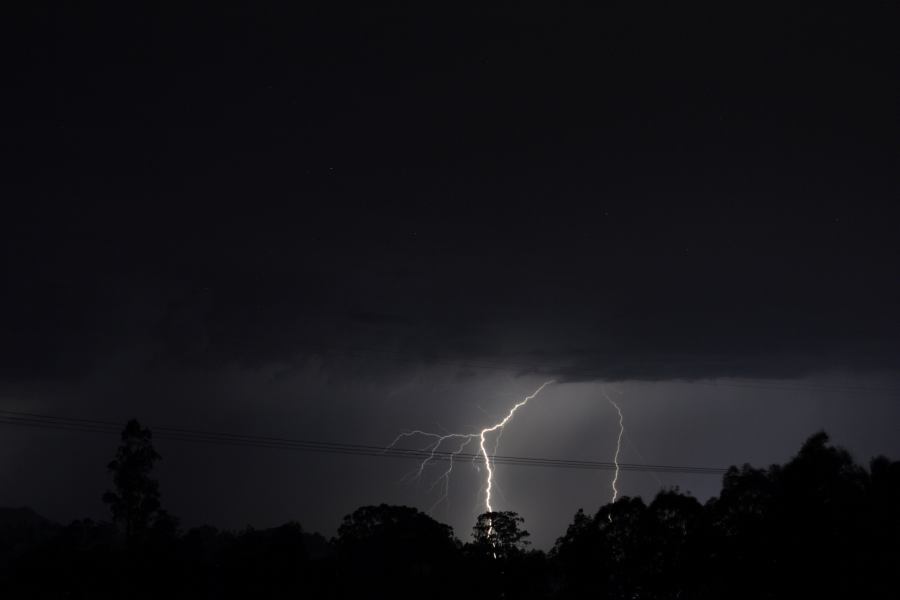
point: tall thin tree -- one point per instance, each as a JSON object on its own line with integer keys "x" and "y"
{"x": 135, "y": 503}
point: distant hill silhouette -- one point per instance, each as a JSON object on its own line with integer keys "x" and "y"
{"x": 22, "y": 517}
{"x": 22, "y": 526}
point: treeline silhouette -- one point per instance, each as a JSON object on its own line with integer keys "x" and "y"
{"x": 820, "y": 526}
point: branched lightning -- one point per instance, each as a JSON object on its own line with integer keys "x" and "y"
{"x": 431, "y": 448}
{"x": 444, "y": 479}
{"x": 465, "y": 438}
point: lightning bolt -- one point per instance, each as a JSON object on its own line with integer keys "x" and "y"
{"x": 499, "y": 426}
{"x": 637, "y": 450}
{"x": 465, "y": 438}
{"x": 615, "y": 480}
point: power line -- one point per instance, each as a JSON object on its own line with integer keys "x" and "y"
{"x": 45, "y": 421}
{"x": 352, "y": 449}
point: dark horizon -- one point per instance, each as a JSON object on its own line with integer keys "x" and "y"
{"x": 820, "y": 524}
{"x": 14, "y": 515}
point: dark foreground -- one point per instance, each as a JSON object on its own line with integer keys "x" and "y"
{"x": 819, "y": 526}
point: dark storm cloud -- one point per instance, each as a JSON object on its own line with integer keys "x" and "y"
{"x": 618, "y": 195}
{"x": 581, "y": 300}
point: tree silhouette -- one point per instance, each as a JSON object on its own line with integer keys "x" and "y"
{"x": 135, "y": 503}
{"x": 818, "y": 526}
{"x": 499, "y": 562}
{"x": 396, "y": 552}
{"x": 500, "y": 534}
{"x": 632, "y": 550}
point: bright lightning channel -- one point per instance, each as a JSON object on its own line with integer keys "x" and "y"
{"x": 615, "y": 490}
{"x": 465, "y": 438}
{"x": 499, "y": 426}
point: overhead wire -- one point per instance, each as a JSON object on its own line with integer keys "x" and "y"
{"x": 54, "y": 422}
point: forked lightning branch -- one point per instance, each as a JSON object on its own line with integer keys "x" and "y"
{"x": 439, "y": 442}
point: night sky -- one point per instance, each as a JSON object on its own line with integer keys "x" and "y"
{"x": 341, "y": 223}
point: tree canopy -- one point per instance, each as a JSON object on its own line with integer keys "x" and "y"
{"x": 820, "y": 525}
